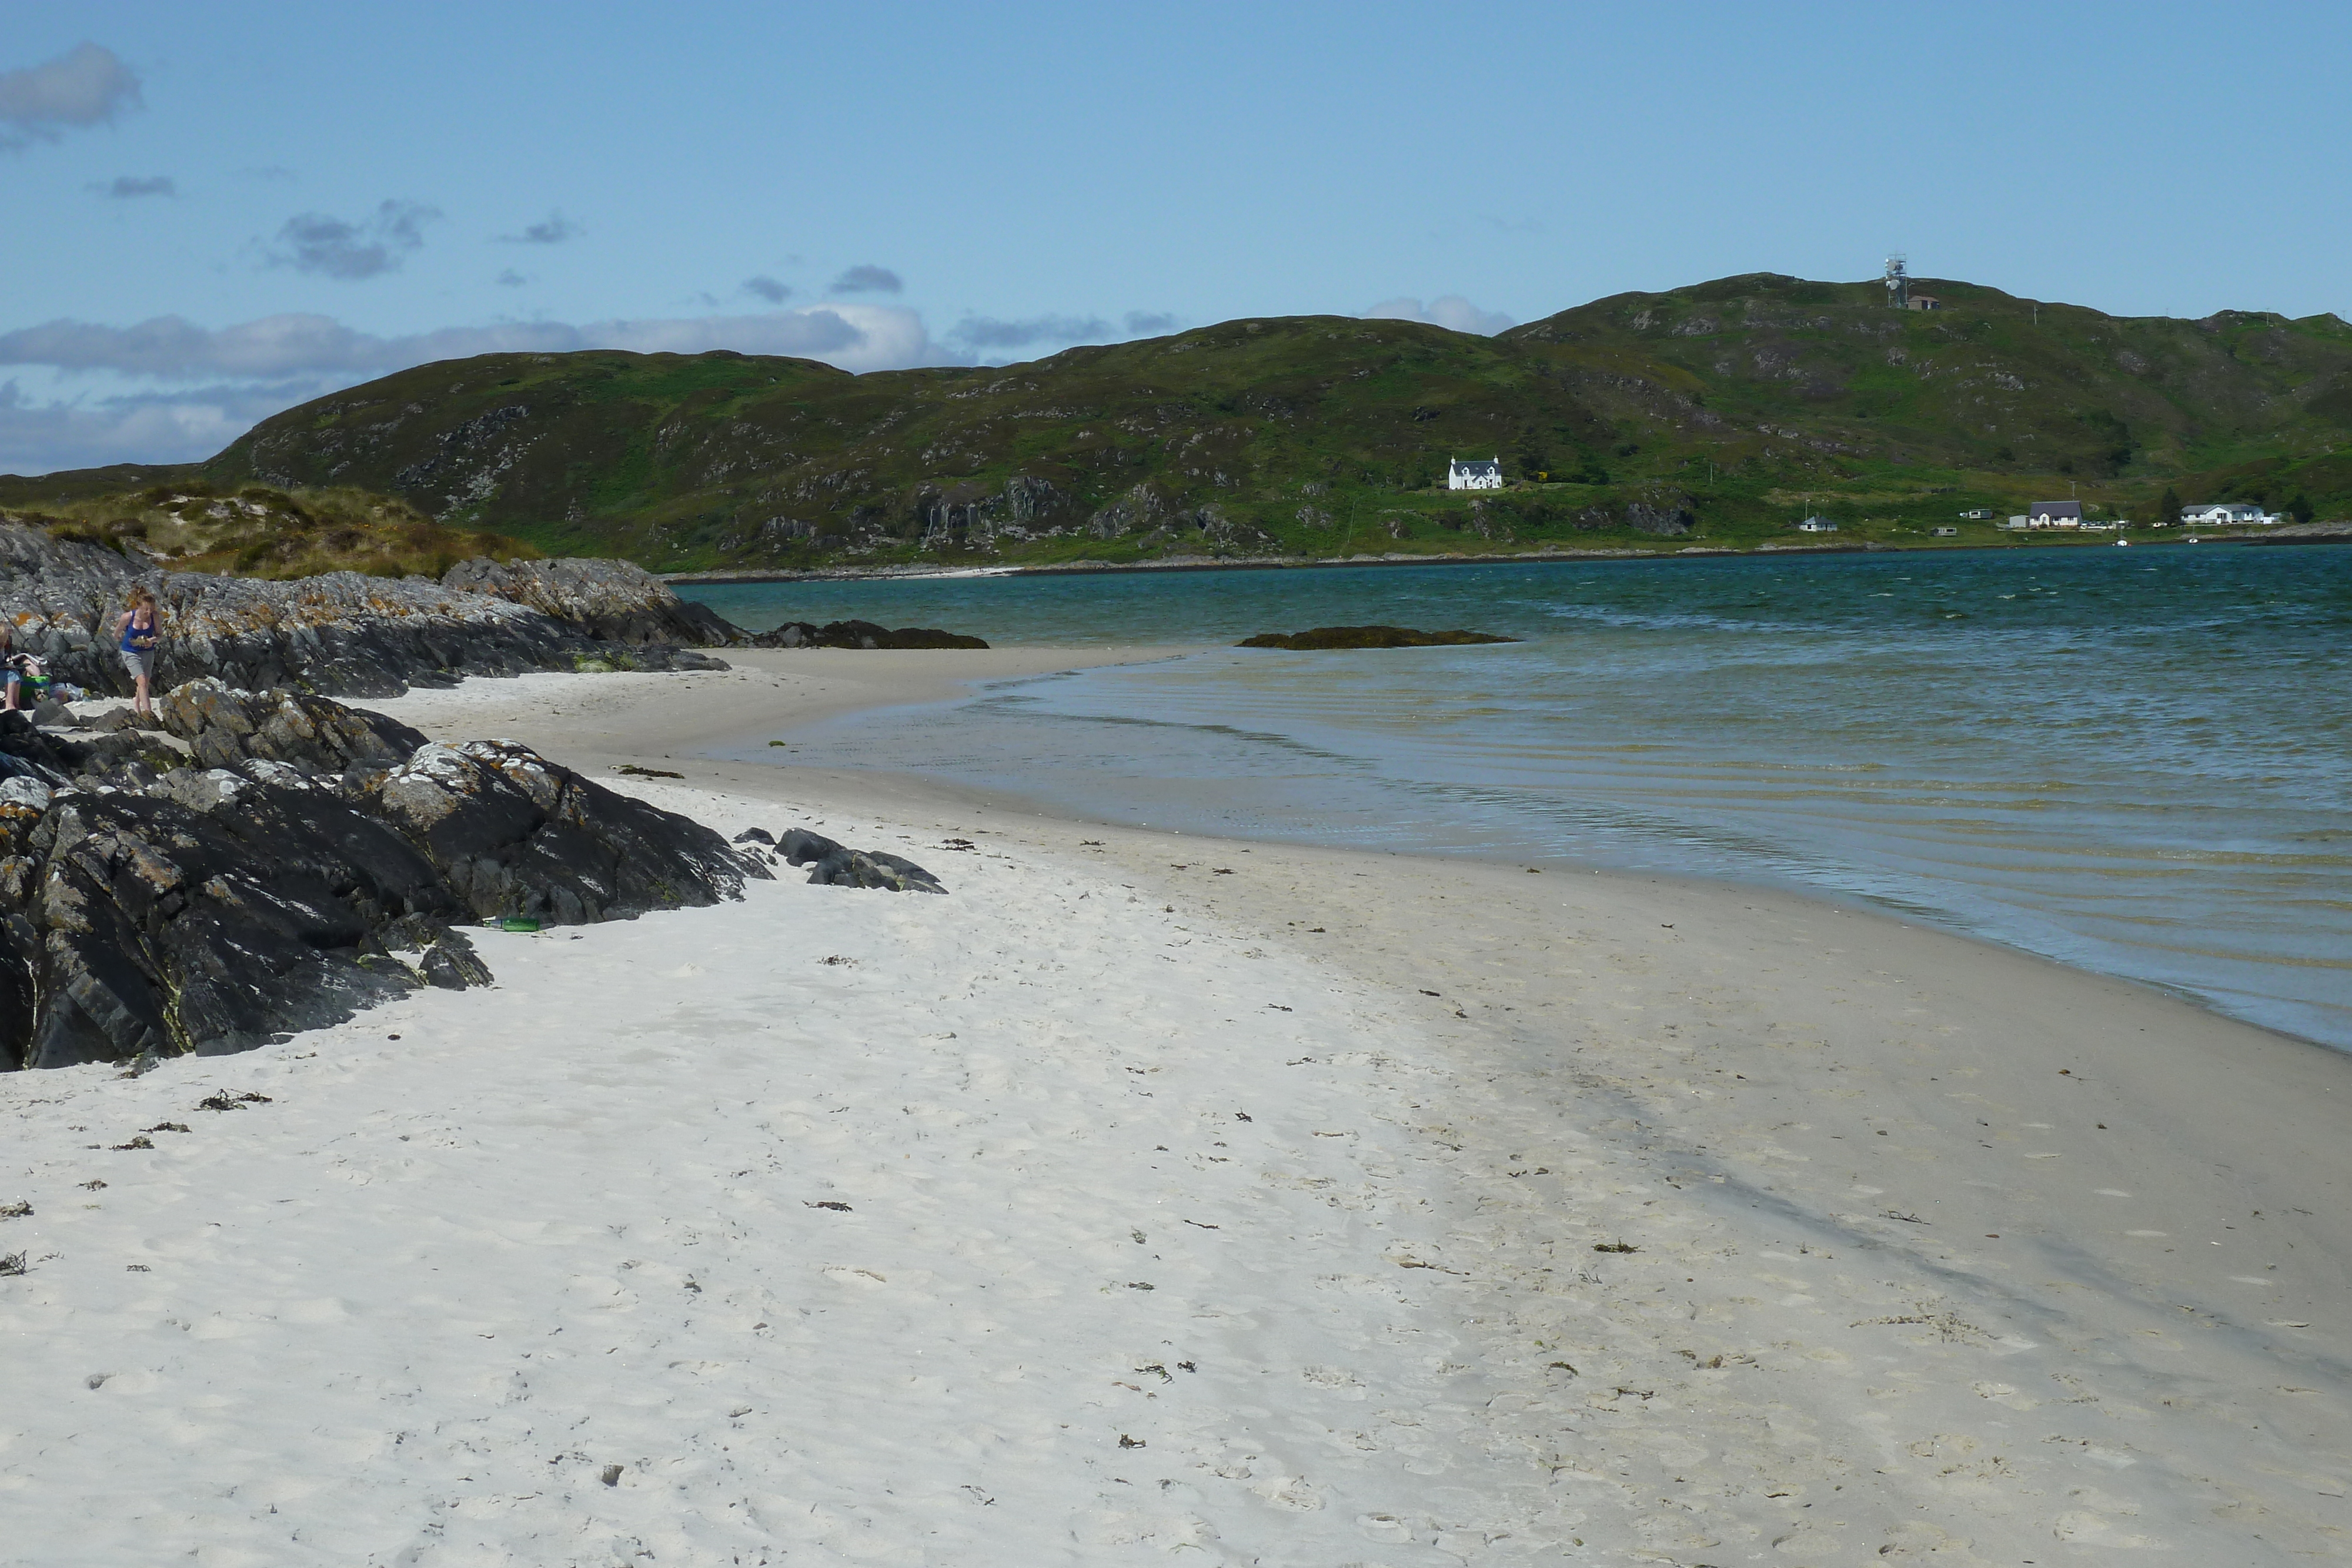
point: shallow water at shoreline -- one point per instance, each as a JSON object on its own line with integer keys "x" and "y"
{"x": 2136, "y": 762}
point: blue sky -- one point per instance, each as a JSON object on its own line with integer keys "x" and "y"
{"x": 215, "y": 212}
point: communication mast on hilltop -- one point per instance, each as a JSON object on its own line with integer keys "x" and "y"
{"x": 1898, "y": 284}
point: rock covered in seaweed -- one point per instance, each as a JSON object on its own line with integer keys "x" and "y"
{"x": 1368, "y": 637}
{"x": 832, "y": 864}
{"x": 860, "y": 634}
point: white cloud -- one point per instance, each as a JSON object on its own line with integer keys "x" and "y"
{"x": 855, "y": 337}
{"x": 86, "y": 85}
{"x": 39, "y": 437}
{"x": 1452, "y": 311}
{"x": 259, "y": 367}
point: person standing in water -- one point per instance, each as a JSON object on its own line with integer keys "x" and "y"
{"x": 141, "y": 628}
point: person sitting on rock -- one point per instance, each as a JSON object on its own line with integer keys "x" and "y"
{"x": 14, "y": 676}
{"x": 142, "y": 629}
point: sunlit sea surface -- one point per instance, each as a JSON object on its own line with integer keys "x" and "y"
{"x": 2133, "y": 761}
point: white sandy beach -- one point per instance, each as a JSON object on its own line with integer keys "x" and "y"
{"x": 1151, "y": 1196}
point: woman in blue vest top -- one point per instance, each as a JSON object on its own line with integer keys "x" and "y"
{"x": 141, "y": 628}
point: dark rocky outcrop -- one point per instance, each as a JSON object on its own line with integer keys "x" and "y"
{"x": 269, "y": 862}
{"x": 832, "y": 864}
{"x": 616, "y": 600}
{"x": 860, "y": 634}
{"x": 340, "y": 634}
{"x": 1367, "y": 637}
{"x": 1653, "y": 509}
{"x": 512, "y": 833}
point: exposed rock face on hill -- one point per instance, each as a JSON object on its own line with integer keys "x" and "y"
{"x": 613, "y": 599}
{"x": 153, "y": 905}
{"x": 340, "y": 634}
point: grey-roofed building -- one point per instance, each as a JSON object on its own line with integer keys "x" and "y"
{"x": 1476, "y": 473}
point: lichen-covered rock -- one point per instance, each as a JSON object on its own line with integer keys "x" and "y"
{"x": 617, "y": 601}
{"x": 340, "y": 634}
{"x": 224, "y": 726}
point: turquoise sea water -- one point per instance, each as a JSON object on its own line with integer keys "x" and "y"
{"x": 2134, "y": 760}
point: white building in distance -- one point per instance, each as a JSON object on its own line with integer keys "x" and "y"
{"x": 1817, "y": 526}
{"x": 1475, "y": 475}
{"x": 2227, "y": 514}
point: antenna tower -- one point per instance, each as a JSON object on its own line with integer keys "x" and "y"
{"x": 1898, "y": 284}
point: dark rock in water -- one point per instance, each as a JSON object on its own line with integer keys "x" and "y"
{"x": 836, "y": 866}
{"x": 314, "y": 862}
{"x": 1368, "y": 637}
{"x": 340, "y": 634}
{"x": 860, "y": 634}
{"x": 615, "y": 599}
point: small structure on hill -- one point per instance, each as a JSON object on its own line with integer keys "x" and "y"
{"x": 1476, "y": 473}
{"x": 1817, "y": 526}
{"x": 2054, "y": 515}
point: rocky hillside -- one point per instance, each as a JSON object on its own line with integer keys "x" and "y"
{"x": 1721, "y": 413}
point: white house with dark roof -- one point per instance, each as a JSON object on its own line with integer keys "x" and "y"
{"x": 1477, "y": 474}
{"x": 2227, "y": 514}
{"x": 1817, "y": 526}
{"x": 2054, "y": 515}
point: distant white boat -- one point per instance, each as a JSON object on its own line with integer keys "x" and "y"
{"x": 2120, "y": 543}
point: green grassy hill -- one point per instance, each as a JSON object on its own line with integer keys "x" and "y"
{"x": 1715, "y": 414}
